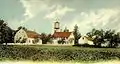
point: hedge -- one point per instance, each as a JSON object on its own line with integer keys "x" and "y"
{"x": 42, "y": 53}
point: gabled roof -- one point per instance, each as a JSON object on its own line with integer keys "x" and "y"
{"x": 89, "y": 38}
{"x": 32, "y": 34}
{"x": 61, "y": 34}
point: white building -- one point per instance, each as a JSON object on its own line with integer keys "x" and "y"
{"x": 67, "y": 37}
{"x": 58, "y": 35}
{"x": 27, "y": 37}
{"x": 86, "y": 40}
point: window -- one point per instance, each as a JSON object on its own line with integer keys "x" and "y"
{"x": 20, "y": 37}
{"x": 83, "y": 38}
{"x": 29, "y": 41}
{"x": 33, "y": 41}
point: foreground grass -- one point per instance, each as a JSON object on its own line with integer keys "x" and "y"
{"x": 58, "y": 53}
{"x": 37, "y": 62}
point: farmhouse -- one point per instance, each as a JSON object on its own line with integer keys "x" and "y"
{"x": 86, "y": 40}
{"x": 27, "y": 36}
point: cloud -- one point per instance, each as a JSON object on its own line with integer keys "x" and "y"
{"x": 33, "y": 7}
{"x": 85, "y": 17}
{"x": 101, "y": 18}
{"x": 59, "y": 11}
{"x": 42, "y": 8}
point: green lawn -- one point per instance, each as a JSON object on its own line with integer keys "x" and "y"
{"x": 57, "y": 53}
{"x": 69, "y": 48}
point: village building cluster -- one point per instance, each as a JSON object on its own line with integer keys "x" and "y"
{"x": 31, "y": 37}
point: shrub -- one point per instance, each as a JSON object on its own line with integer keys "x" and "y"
{"x": 57, "y": 53}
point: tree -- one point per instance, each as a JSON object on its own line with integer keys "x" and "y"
{"x": 76, "y": 34}
{"x": 101, "y": 36}
{"x": 117, "y": 39}
{"x": 46, "y": 38}
{"x": 66, "y": 30}
{"x": 98, "y": 36}
{"x": 36, "y": 40}
{"x": 43, "y": 36}
{"x": 92, "y": 33}
{"x": 112, "y": 37}
{"x": 61, "y": 41}
{"x": 6, "y": 33}
{"x": 21, "y": 27}
{"x": 49, "y": 38}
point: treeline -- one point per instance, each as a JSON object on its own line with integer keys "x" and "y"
{"x": 110, "y": 37}
{"x": 101, "y": 38}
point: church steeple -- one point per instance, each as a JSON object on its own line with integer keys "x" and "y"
{"x": 56, "y": 25}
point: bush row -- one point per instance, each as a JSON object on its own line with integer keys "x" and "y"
{"x": 55, "y": 54}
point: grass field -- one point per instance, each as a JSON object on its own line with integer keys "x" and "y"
{"x": 70, "y": 47}
{"x": 36, "y": 62}
{"x": 58, "y": 53}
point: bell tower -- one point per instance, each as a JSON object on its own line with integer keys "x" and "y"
{"x": 56, "y": 26}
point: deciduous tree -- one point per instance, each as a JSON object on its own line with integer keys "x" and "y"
{"x": 76, "y": 34}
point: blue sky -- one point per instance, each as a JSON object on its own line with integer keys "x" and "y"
{"x": 39, "y": 15}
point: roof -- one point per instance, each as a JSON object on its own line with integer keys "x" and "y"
{"x": 61, "y": 34}
{"x": 89, "y": 38}
{"x": 32, "y": 34}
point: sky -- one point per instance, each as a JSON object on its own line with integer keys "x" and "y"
{"x": 39, "y": 15}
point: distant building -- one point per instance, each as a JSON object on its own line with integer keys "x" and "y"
{"x": 65, "y": 37}
{"x": 106, "y": 43}
{"x": 86, "y": 40}
{"x": 27, "y": 36}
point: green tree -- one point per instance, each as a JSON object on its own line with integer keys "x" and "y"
{"x": 61, "y": 41}
{"x": 66, "y": 30}
{"x": 112, "y": 37}
{"x": 46, "y": 38}
{"x": 103, "y": 36}
{"x": 21, "y": 27}
{"x": 92, "y": 33}
{"x": 117, "y": 38}
{"x": 76, "y": 34}
{"x": 98, "y": 36}
{"x": 43, "y": 36}
{"x": 49, "y": 38}
{"x": 6, "y": 33}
